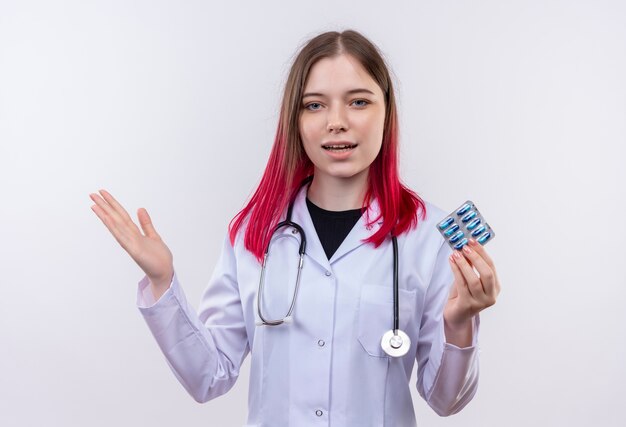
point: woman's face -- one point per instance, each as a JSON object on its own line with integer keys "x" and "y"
{"x": 342, "y": 117}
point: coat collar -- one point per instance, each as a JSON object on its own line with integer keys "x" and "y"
{"x": 353, "y": 240}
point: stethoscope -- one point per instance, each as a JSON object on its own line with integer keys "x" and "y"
{"x": 394, "y": 342}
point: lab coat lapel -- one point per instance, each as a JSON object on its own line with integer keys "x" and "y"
{"x": 359, "y": 232}
{"x": 301, "y": 216}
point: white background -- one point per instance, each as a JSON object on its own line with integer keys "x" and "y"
{"x": 519, "y": 106}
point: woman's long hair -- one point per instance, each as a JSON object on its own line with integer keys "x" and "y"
{"x": 288, "y": 163}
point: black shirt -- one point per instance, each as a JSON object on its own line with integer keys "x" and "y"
{"x": 332, "y": 227}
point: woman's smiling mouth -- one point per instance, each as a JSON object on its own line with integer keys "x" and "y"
{"x": 339, "y": 147}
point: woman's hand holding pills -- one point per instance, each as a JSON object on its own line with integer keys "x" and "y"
{"x": 470, "y": 293}
{"x": 147, "y": 249}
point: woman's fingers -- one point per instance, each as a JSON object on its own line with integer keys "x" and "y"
{"x": 461, "y": 285}
{"x": 149, "y": 251}
{"x": 476, "y": 281}
{"x": 471, "y": 278}
{"x": 107, "y": 209}
{"x": 119, "y": 209}
{"x": 483, "y": 263}
{"x": 111, "y": 225}
{"x": 494, "y": 283}
{"x": 487, "y": 275}
{"x": 146, "y": 224}
{"x": 115, "y": 211}
{"x": 483, "y": 253}
{"x": 116, "y": 206}
{"x": 116, "y": 219}
{"x": 483, "y": 285}
{"x": 460, "y": 301}
{"x": 467, "y": 272}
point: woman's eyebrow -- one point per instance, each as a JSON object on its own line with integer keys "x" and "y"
{"x": 350, "y": 92}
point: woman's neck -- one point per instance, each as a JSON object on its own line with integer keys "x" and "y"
{"x": 338, "y": 194}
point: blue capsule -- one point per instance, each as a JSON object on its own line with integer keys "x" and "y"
{"x": 469, "y": 216}
{"x": 478, "y": 231}
{"x": 456, "y": 237}
{"x": 473, "y": 224}
{"x": 451, "y": 230}
{"x": 463, "y": 209}
{"x": 445, "y": 223}
{"x": 461, "y": 243}
{"x": 482, "y": 239}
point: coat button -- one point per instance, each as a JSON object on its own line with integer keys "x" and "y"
{"x": 328, "y": 273}
{"x": 321, "y": 343}
{"x": 319, "y": 413}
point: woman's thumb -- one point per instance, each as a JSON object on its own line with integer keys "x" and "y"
{"x": 146, "y": 223}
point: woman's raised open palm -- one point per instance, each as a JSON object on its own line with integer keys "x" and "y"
{"x": 147, "y": 249}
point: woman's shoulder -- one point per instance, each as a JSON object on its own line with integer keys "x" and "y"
{"x": 236, "y": 241}
{"x": 237, "y": 238}
{"x": 428, "y": 215}
{"x": 434, "y": 213}
{"x": 426, "y": 233}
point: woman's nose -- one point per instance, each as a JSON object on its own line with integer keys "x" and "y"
{"x": 336, "y": 120}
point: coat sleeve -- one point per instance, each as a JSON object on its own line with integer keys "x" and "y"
{"x": 204, "y": 350}
{"x": 447, "y": 375}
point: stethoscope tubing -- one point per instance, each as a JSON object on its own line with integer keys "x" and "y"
{"x": 396, "y": 315}
{"x": 301, "y": 251}
{"x": 394, "y": 342}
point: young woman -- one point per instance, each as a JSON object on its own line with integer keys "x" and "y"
{"x": 358, "y": 283}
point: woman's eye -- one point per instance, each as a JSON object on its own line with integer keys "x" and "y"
{"x": 309, "y": 105}
{"x": 314, "y": 106}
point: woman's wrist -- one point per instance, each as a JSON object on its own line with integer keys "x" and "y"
{"x": 459, "y": 334}
{"x": 161, "y": 285}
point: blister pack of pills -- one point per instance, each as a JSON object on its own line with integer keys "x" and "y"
{"x": 463, "y": 223}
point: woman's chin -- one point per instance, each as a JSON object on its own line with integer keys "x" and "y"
{"x": 341, "y": 173}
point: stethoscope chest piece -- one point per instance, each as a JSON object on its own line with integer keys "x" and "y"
{"x": 395, "y": 345}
